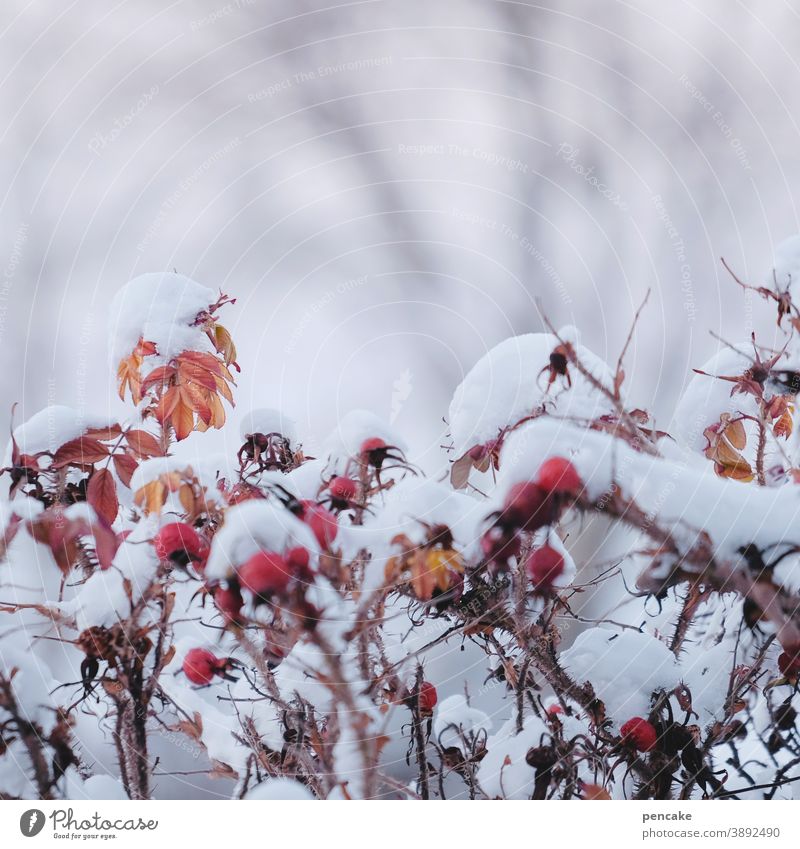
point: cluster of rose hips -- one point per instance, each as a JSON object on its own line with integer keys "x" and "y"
{"x": 529, "y": 506}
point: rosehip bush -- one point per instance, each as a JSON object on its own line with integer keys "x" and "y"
{"x": 348, "y": 623}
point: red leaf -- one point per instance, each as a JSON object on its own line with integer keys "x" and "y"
{"x": 102, "y": 494}
{"x": 79, "y": 452}
{"x": 105, "y": 545}
{"x": 144, "y": 444}
{"x": 104, "y": 433}
{"x": 125, "y": 465}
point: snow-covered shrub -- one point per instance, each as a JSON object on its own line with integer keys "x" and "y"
{"x": 346, "y": 627}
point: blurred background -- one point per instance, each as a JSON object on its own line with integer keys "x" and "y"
{"x": 390, "y": 188}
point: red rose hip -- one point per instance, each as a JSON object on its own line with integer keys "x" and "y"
{"x": 526, "y": 506}
{"x": 323, "y": 522}
{"x": 200, "y": 666}
{"x": 640, "y": 734}
{"x": 427, "y": 697}
{"x": 229, "y": 602}
{"x": 181, "y": 545}
{"x": 265, "y": 574}
{"x": 342, "y": 489}
{"x": 544, "y": 565}
{"x": 559, "y": 477}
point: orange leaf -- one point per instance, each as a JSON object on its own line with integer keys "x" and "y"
{"x": 201, "y": 426}
{"x": 166, "y": 406}
{"x": 102, "y": 494}
{"x": 224, "y": 344}
{"x": 783, "y": 427}
{"x": 196, "y": 374}
{"x": 224, "y": 390}
{"x": 208, "y": 362}
{"x": 217, "y": 411}
{"x": 128, "y": 377}
{"x": 182, "y": 420}
{"x": 194, "y": 397}
{"x": 151, "y": 496}
{"x": 161, "y": 375}
{"x": 423, "y": 579}
{"x": 725, "y": 440}
{"x": 186, "y": 496}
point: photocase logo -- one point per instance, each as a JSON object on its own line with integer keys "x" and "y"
{"x": 401, "y": 392}
{"x": 31, "y": 822}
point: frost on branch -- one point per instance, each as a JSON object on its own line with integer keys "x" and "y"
{"x": 345, "y": 626}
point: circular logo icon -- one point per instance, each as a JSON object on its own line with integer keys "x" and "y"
{"x": 31, "y": 822}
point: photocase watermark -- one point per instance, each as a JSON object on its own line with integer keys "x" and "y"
{"x": 219, "y": 13}
{"x": 319, "y": 73}
{"x": 679, "y": 249}
{"x": 183, "y": 187}
{"x": 719, "y": 119}
{"x": 524, "y": 243}
{"x": 10, "y": 272}
{"x": 320, "y": 304}
{"x": 570, "y": 154}
{"x": 100, "y": 141}
{"x": 85, "y": 339}
{"x": 490, "y": 157}
{"x": 64, "y": 824}
{"x": 401, "y": 392}
{"x": 32, "y": 822}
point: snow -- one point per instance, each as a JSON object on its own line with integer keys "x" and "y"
{"x": 673, "y": 494}
{"x": 505, "y": 386}
{"x": 705, "y": 400}
{"x": 103, "y": 598}
{"x": 456, "y": 722}
{"x": 504, "y": 773}
{"x": 280, "y": 789}
{"x": 624, "y": 669}
{"x": 218, "y": 726}
{"x": 268, "y": 420}
{"x": 51, "y": 428}
{"x": 353, "y": 429}
{"x": 95, "y": 787}
{"x": 413, "y": 505}
{"x": 206, "y": 469}
{"x": 159, "y": 307}
{"x": 786, "y": 265}
{"x": 31, "y": 685}
{"x": 352, "y": 696}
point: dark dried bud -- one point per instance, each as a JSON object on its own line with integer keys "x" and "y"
{"x": 785, "y": 716}
{"x": 541, "y": 757}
